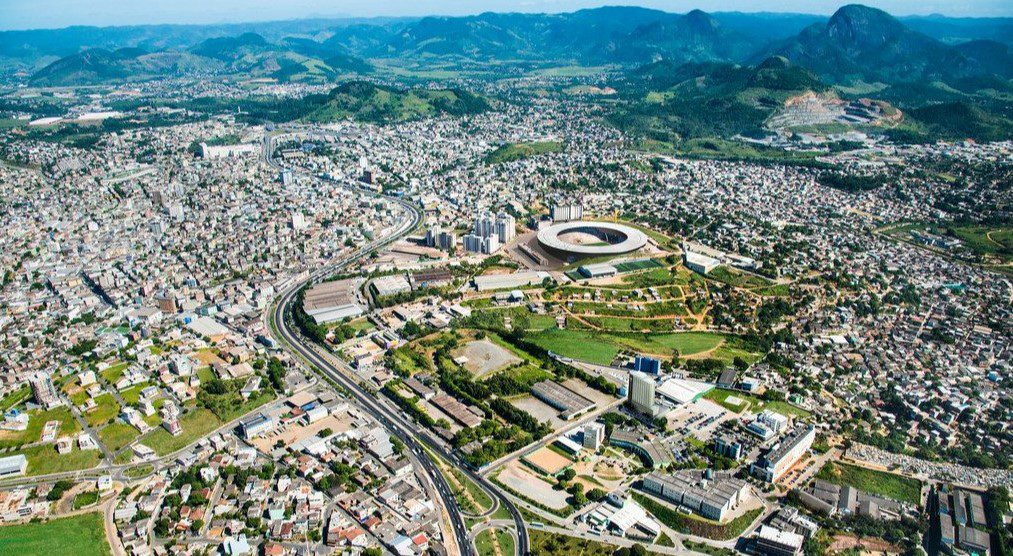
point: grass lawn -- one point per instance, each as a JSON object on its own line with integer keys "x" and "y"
{"x": 132, "y": 395}
{"x": 882, "y": 483}
{"x": 114, "y": 372}
{"x": 577, "y": 344}
{"x": 686, "y": 343}
{"x": 14, "y": 398}
{"x": 691, "y": 524}
{"x": 85, "y": 499}
{"x": 361, "y": 324}
{"x": 139, "y": 471}
{"x": 81, "y": 535}
{"x": 486, "y": 539}
{"x": 117, "y": 435}
{"x": 544, "y": 543}
{"x": 36, "y": 422}
{"x": 107, "y": 408}
{"x": 206, "y": 374}
{"x": 195, "y": 424}
{"x": 720, "y": 397}
{"x": 43, "y": 460}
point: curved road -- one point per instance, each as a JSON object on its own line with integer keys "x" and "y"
{"x": 407, "y": 431}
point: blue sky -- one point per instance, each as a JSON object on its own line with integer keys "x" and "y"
{"x": 30, "y": 14}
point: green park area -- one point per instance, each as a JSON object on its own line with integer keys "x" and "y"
{"x": 885, "y": 484}
{"x": 544, "y": 543}
{"x": 81, "y": 535}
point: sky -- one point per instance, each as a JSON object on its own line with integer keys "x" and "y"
{"x": 36, "y": 14}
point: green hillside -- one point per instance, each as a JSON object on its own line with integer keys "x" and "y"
{"x": 368, "y": 102}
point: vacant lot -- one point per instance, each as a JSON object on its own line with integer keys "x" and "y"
{"x": 485, "y": 357}
{"x": 882, "y": 483}
{"x": 195, "y": 424}
{"x": 525, "y": 482}
{"x": 81, "y": 535}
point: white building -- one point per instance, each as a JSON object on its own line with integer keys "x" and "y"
{"x": 641, "y": 392}
{"x": 565, "y": 213}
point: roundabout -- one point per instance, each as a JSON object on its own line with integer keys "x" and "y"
{"x": 590, "y": 239}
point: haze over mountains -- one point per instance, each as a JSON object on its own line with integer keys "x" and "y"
{"x": 856, "y": 44}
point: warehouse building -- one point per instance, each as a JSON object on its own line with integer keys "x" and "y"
{"x": 711, "y": 495}
{"x": 569, "y": 403}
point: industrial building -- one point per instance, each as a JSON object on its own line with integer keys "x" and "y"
{"x": 828, "y": 498}
{"x": 962, "y": 522}
{"x": 624, "y": 518}
{"x": 698, "y": 263}
{"x": 13, "y": 465}
{"x": 333, "y": 301}
{"x": 598, "y": 270}
{"x": 708, "y": 494}
{"x": 256, "y": 426}
{"x": 385, "y": 286}
{"x": 569, "y": 403}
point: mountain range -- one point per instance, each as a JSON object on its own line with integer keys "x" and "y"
{"x": 857, "y": 43}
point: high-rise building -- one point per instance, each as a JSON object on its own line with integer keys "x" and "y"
{"x": 594, "y": 435}
{"x": 485, "y": 225}
{"x": 447, "y": 240}
{"x": 43, "y": 390}
{"x": 433, "y": 236}
{"x": 506, "y": 227}
{"x": 473, "y": 243}
{"x": 647, "y": 365}
{"x": 565, "y": 213}
{"x": 641, "y": 392}
{"x": 298, "y": 221}
{"x": 286, "y": 177}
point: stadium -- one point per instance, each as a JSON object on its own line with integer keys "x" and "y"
{"x": 578, "y": 239}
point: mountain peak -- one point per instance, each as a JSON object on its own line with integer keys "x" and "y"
{"x": 863, "y": 26}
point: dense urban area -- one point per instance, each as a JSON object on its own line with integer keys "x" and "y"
{"x": 407, "y": 287}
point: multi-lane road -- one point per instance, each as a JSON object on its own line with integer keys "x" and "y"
{"x": 338, "y": 371}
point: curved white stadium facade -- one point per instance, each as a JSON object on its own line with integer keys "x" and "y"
{"x": 617, "y": 239}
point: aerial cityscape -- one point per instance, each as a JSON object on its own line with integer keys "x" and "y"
{"x": 593, "y": 281}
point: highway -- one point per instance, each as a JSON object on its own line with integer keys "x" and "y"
{"x": 338, "y": 371}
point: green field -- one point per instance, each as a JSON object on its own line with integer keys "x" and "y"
{"x": 43, "y": 459}
{"x": 987, "y": 241}
{"x": 117, "y": 435}
{"x": 132, "y": 395}
{"x": 81, "y": 535}
{"x": 882, "y": 483}
{"x": 519, "y": 151}
{"x": 602, "y": 348}
{"x": 115, "y": 372}
{"x": 196, "y": 424}
{"x": 576, "y": 344}
{"x": 107, "y": 408}
{"x": 36, "y": 422}
{"x": 720, "y": 397}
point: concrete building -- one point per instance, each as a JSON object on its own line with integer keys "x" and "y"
{"x": 565, "y": 213}
{"x": 775, "y": 542}
{"x": 776, "y": 462}
{"x": 44, "y": 391}
{"x": 701, "y": 264}
{"x": 594, "y": 436}
{"x": 506, "y": 227}
{"x": 641, "y": 393}
{"x": 774, "y": 421}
